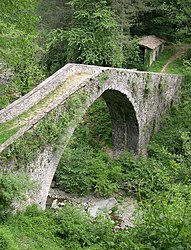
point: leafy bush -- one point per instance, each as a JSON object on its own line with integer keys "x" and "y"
{"x": 164, "y": 222}
{"x": 12, "y": 188}
{"x": 7, "y": 241}
{"x": 143, "y": 177}
{"x": 55, "y": 50}
{"x": 82, "y": 170}
{"x": 33, "y": 229}
{"x": 78, "y": 230}
{"x": 84, "y": 166}
{"x": 132, "y": 55}
{"x": 68, "y": 228}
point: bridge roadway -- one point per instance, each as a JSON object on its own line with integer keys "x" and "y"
{"x": 50, "y": 93}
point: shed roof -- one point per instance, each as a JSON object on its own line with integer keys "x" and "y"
{"x": 151, "y": 42}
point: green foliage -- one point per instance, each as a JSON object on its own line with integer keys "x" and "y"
{"x": 78, "y": 231}
{"x": 177, "y": 17}
{"x": 7, "y": 241}
{"x": 170, "y": 135}
{"x": 132, "y": 57}
{"x": 176, "y": 67}
{"x": 7, "y": 91}
{"x": 6, "y": 132}
{"x": 91, "y": 37}
{"x": 94, "y": 36}
{"x": 68, "y": 228}
{"x": 12, "y": 188}
{"x": 162, "y": 59}
{"x": 19, "y": 48}
{"x": 169, "y": 19}
{"x": 54, "y": 14}
{"x": 164, "y": 221}
{"x": 84, "y": 167}
{"x": 144, "y": 177}
{"x": 56, "y": 55}
{"x": 187, "y": 67}
{"x": 127, "y": 12}
{"x": 100, "y": 127}
{"x": 33, "y": 229}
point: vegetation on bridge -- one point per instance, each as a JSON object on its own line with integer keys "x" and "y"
{"x": 160, "y": 182}
{"x": 9, "y": 128}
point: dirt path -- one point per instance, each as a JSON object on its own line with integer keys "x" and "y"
{"x": 182, "y": 50}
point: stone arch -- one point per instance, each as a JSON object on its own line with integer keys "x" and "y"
{"x": 125, "y": 127}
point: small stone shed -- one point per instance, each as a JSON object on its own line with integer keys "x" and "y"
{"x": 151, "y": 46}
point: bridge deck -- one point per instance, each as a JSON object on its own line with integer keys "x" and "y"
{"x": 45, "y": 104}
{"x": 26, "y": 112}
{"x": 25, "y": 120}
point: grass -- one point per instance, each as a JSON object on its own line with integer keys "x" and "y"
{"x": 7, "y": 134}
{"x": 11, "y": 127}
{"x": 8, "y": 129}
{"x": 175, "y": 67}
{"x": 163, "y": 58}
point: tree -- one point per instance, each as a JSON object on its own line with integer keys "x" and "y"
{"x": 19, "y": 48}
{"x": 49, "y": 20}
{"x": 169, "y": 19}
{"x": 127, "y": 12}
{"x": 133, "y": 57}
{"x": 94, "y": 37}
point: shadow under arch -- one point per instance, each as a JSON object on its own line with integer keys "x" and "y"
{"x": 125, "y": 135}
{"x": 125, "y": 127}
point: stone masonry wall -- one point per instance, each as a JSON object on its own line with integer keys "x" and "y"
{"x": 137, "y": 101}
{"x": 42, "y": 90}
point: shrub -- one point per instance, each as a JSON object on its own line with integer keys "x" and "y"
{"x": 164, "y": 223}
{"x": 143, "y": 176}
{"x": 132, "y": 55}
{"x": 85, "y": 167}
{"x": 79, "y": 231}
{"x": 12, "y": 188}
{"x": 7, "y": 241}
{"x": 82, "y": 170}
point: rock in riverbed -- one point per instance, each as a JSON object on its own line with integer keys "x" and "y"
{"x": 120, "y": 208}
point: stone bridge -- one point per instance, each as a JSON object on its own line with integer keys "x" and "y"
{"x": 35, "y": 129}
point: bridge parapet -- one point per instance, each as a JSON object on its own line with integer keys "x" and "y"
{"x": 43, "y": 89}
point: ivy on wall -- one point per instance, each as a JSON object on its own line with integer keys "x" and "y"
{"x": 46, "y": 132}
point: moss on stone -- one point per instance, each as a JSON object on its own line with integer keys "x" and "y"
{"x": 46, "y": 132}
{"x": 149, "y": 86}
{"x": 103, "y": 77}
